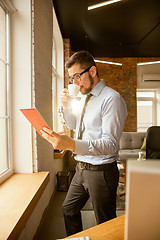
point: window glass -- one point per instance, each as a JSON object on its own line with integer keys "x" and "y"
{"x": 3, "y": 95}
{"x": 3, "y": 144}
{"x": 54, "y": 97}
{"x": 144, "y": 104}
{"x": 57, "y": 73}
{"x": 54, "y": 55}
{"x": 54, "y": 86}
{"x": 144, "y": 115}
{"x": 145, "y": 94}
{"x": 2, "y": 34}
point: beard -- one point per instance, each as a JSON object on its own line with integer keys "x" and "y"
{"x": 84, "y": 90}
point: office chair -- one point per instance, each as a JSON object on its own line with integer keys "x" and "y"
{"x": 153, "y": 143}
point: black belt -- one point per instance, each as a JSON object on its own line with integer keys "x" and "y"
{"x": 89, "y": 166}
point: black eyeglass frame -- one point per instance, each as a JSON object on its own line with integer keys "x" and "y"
{"x": 71, "y": 79}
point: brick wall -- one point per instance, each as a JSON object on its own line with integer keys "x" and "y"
{"x": 121, "y": 78}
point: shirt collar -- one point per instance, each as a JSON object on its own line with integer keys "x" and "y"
{"x": 98, "y": 88}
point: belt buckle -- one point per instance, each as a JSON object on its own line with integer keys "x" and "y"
{"x": 82, "y": 165}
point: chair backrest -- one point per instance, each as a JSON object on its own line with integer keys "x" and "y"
{"x": 153, "y": 142}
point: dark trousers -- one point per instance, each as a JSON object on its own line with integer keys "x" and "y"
{"x": 100, "y": 186}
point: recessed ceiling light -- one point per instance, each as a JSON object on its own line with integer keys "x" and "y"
{"x": 147, "y": 63}
{"x": 102, "y": 4}
{"x": 113, "y": 63}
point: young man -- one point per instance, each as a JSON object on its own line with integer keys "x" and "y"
{"x": 98, "y": 130}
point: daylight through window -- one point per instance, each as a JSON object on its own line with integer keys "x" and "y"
{"x": 5, "y": 156}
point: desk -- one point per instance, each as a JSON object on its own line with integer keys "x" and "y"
{"x": 110, "y": 230}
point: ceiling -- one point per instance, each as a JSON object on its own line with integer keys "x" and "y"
{"x": 129, "y": 28}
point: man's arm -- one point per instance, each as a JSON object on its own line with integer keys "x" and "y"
{"x": 112, "y": 127}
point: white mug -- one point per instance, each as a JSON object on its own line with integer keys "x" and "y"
{"x": 73, "y": 90}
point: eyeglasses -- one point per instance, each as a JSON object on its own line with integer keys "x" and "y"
{"x": 77, "y": 76}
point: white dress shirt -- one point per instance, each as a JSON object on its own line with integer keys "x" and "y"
{"x": 103, "y": 124}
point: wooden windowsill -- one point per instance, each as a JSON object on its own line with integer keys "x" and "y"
{"x": 18, "y": 197}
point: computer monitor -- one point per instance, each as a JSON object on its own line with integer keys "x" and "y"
{"x": 142, "y": 200}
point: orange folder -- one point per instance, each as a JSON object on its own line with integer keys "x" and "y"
{"x": 35, "y": 118}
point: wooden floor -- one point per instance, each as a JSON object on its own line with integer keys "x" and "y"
{"x": 53, "y": 226}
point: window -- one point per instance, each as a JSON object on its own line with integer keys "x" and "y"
{"x": 5, "y": 145}
{"x": 146, "y": 110}
{"x": 54, "y": 85}
{"x": 57, "y": 73}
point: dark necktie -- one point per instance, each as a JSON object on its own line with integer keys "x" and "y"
{"x": 80, "y": 132}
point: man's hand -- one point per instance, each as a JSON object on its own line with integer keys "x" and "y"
{"x": 58, "y": 140}
{"x": 64, "y": 98}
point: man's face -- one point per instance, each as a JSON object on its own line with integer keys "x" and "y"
{"x": 85, "y": 81}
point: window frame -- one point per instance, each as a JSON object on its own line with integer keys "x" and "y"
{"x": 9, "y": 171}
{"x": 57, "y": 73}
{"x": 54, "y": 84}
{"x": 154, "y": 105}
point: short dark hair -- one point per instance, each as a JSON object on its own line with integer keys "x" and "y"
{"x": 84, "y": 58}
